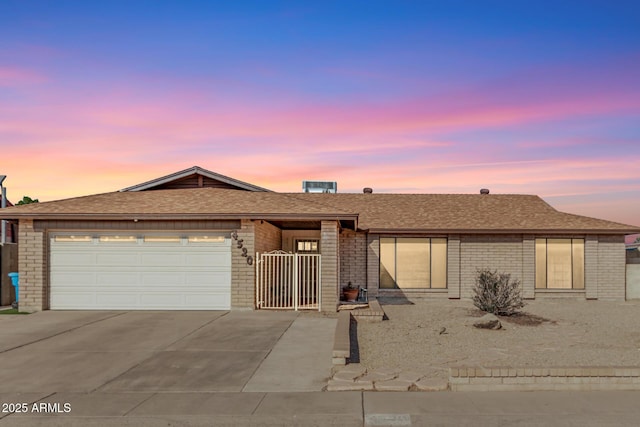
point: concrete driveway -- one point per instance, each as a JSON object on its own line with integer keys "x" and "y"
{"x": 116, "y": 352}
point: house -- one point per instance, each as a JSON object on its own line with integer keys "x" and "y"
{"x": 198, "y": 240}
{"x": 10, "y": 228}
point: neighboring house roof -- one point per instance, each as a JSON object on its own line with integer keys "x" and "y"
{"x": 194, "y": 177}
{"x": 378, "y": 213}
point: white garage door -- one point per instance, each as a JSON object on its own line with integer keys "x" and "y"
{"x": 150, "y": 272}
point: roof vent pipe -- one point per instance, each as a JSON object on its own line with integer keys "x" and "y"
{"x": 367, "y": 190}
{"x": 484, "y": 191}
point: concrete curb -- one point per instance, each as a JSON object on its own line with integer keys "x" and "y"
{"x": 342, "y": 339}
{"x": 544, "y": 379}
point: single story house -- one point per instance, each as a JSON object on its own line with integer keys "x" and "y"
{"x": 197, "y": 240}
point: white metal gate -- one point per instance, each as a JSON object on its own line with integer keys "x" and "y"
{"x": 288, "y": 281}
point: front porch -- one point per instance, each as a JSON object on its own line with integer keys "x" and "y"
{"x": 322, "y": 273}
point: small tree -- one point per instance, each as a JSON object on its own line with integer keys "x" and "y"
{"x": 496, "y": 293}
{"x": 26, "y": 200}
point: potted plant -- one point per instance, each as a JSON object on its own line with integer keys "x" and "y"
{"x": 351, "y": 292}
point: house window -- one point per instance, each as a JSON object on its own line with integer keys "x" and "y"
{"x": 413, "y": 263}
{"x": 560, "y": 263}
{"x": 307, "y": 246}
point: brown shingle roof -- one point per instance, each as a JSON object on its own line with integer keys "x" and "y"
{"x": 495, "y": 213}
{"x": 463, "y": 212}
{"x": 178, "y": 204}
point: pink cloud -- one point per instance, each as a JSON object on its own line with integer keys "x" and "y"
{"x": 15, "y": 76}
{"x": 97, "y": 139}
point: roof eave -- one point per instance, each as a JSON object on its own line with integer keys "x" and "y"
{"x": 500, "y": 231}
{"x": 184, "y": 217}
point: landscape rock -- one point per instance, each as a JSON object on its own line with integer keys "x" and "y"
{"x": 488, "y": 321}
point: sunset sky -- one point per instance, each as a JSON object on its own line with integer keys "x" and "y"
{"x": 530, "y": 97}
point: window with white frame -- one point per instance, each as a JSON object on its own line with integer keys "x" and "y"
{"x": 413, "y": 263}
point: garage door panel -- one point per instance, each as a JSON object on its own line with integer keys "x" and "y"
{"x": 74, "y": 279}
{"x": 162, "y": 259}
{"x": 157, "y": 299}
{"x": 161, "y": 279}
{"x": 125, "y": 258}
{"x": 139, "y": 275}
{"x": 219, "y": 277}
{"x": 218, "y": 259}
{"x": 69, "y": 259}
{"x": 117, "y": 278}
{"x": 72, "y": 299}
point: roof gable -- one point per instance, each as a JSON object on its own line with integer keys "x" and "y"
{"x": 194, "y": 177}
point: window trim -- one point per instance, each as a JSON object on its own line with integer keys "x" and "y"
{"x": 303, "y": 240}
{"x": 429, "y": 288}
{"x": 572, "y": 241}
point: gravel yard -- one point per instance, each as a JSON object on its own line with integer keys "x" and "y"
{"x": 552, "y": 333}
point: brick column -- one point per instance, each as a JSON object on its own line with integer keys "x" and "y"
{"x": 528, "y": 267}
{"x": 611, "y": 268}
{"x": 373, "y": 264}
{"x": 32, "y": 266}
{"x": 243, "y": 277}
{"x": 353, "y": 258}
{"x": 591, "y": 267}
{"x": 330, "y": 265}
{"x": 453, "y": 266}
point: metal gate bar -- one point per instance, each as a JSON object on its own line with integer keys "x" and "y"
{"x": 288, "y": 281}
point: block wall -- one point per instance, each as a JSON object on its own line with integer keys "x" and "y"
{"x": 528, "y": 267}
{"x": 373, "y": 264}
{"x": 353, "y": 258}
{"x": 591, "y": 267}
{"x": 33, "y": 268}
{"x": 453, "y": 266}
{"x": 496, "y": 252}
{"x": 611, "y": 268}
{"x": 243, "y": 274}
{"x": 268, "y": 237}
{"x": 329, "y": 241}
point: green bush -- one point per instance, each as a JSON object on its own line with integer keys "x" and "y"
{"x": 495, "y": 293}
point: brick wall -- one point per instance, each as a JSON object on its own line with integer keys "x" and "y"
{"x": 32, "y": 266}
{"x": 353, "y": 258}
{"x": 611, "y": 268}
{"x": 373, "y": 264}
{"x": 242, "y": 274}
{"x": 257, "y": 236}
{"x": 496, "y": 252}
{"x": 329, "y": 241}
{"x": 528, "y": 267}
{"x": 591, "y": 267}
{"x": 268, "y": 237}
{"x": 453, "y": 266}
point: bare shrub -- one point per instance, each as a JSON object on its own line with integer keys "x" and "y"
{"x": 495, "y": 293}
